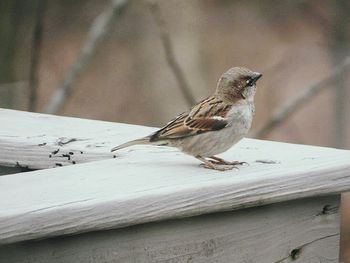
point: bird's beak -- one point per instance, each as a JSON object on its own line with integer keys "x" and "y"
{"x": 257, "y": 76}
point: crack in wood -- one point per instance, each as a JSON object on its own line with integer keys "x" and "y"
{"x": 267, "y": 161}
{"x": 60, "y": 205}
{"x": 64, "y": 140}
{"x": 296, "y": 252}
{"x": 328, "y": 210}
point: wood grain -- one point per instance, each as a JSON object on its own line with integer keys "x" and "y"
{"x": 142, "y": 184}
{"x": 151, "y": 185}
{"x": 294, "y": 231}
{"x": 39, "y": 141}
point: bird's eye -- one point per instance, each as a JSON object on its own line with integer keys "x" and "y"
{"x": 250, "y": 82}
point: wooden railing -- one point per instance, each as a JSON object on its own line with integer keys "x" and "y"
{"x": 155, "y": 204}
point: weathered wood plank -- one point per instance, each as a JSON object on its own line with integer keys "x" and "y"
{"x": 142, "y": 184}
{"x": 39, "y": 141}
{"x": 152, "y": 184}
{"x": 296, "y": 231}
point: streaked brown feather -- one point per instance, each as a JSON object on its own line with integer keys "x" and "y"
{"x": 207, "y": 115}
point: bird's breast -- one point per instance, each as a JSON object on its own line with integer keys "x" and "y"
{"x": 240, "y": 118}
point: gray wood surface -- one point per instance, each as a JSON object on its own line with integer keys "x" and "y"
{"x": 40, "y": 141}
{"x": 295, "y": 231}
{"x": 142, "y": 184}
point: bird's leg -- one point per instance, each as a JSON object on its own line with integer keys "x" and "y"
{"x": 218, "y": 160}
{"x": 211, "y": 165}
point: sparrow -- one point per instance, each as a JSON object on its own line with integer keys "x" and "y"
{"x": 213, "y": 125}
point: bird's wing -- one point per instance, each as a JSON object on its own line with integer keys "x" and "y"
{"x": 207, "y": 115}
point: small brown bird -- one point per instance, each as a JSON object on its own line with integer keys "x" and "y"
{"x": 213, "y": 125}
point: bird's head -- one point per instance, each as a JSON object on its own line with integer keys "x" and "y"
{"x": 238, "y": 83}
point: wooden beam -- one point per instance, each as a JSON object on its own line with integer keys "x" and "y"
{"x": 296, "y": 231}
{"x": 144, "y": 183}
{"x": 39, "y": 141}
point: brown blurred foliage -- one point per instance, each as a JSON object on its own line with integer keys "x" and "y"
{"x": 293, "y": 43}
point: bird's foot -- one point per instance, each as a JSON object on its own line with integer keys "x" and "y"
{"x": 218, "y": 167}
{"x": 219, "y": 161}
{"x": 217, "y": 164}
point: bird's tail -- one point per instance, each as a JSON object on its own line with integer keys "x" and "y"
{"x": 145, "y": 140}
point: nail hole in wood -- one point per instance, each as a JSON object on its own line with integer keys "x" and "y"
{"x": 295, "y": 253}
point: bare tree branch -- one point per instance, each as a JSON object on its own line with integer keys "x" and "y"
{"x": 298, "y": 101}
{"x": 98, "y": 30}
{"x": 169, "y": 52}
{"x": 35, "y": 54}
{"x": 339, "y": 47}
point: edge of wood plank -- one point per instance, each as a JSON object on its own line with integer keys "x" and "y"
{"x": 87, "y": 215}
{"x": 173, "y": 187}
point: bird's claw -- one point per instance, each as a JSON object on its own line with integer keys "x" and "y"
{"x": 219, "y": 167}
{"x": 224, "y": 162}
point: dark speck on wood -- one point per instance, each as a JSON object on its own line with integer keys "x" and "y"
{"x": 328, "y": 210}
{"x": 56, "y": 151}
{"x": 267, "y": 161}
{"x": 63, "y": 141}
{"x": 42, "y": 144}
{"x": 81, "y": 152}
{"x": 66, "y": 155}
{"x": 58, "y": 164}
{"x": 73, "y": 162}
{"x": 71, "y": 153}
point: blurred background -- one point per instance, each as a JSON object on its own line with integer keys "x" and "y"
{"x": 143, "y": 62}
